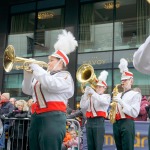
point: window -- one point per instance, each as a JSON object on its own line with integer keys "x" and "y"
{"x": 96, "y": 28}
{"x": 50, "y": 24}
{"x": 22, "y": 34}
{"x": 134, "y": 16}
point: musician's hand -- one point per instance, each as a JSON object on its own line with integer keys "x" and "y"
{"x": 118, "y": 100}
{"x": 34, "y": 67}
{"x": 89, "y": 90}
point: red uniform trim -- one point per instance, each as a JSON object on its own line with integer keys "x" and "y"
{"x": 118, "y": 117}
{"x": 40, "y": 92}
{"x": 51, "y": 106}
{"x": 128, "y": 74}
{"x": 104, "y": 83}
{"x": 99, "y": 113}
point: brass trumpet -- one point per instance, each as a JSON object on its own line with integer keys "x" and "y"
{"x": 9, "y": 58}
{"x": 85, "y": 74}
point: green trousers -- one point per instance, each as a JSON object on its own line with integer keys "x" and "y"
{"x": 47, "y": 131}
{"x": 95, "y": 133}
{"x": 124, "y": 134}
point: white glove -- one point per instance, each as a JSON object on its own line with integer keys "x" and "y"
{"x": 37, "y": 70}
{"x": 118, "y": 99}
{"x": 89, "y": 90}
{"x": 34, "y": 67}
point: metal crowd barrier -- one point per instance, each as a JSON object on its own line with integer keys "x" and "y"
{"x": 17, "y": 134}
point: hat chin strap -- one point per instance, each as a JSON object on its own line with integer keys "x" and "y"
{"x": 56, "y": 65}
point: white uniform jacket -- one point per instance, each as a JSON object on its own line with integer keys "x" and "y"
{"x": 130, "y": 106}
{"x": 95, "y": 105}
{"x": 141, "y": 58}
{"x": 54, "y": 89}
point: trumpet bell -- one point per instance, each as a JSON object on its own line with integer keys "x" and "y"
{"x": 85, "y": 74}
{"x": 8, "y": 58}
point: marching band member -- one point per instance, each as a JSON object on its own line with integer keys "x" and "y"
{"x": 141, "y": 59}
{"x": 128, "y": 106}
{"x": 96, "y": 104}
{"x": 50, "y": 91}
{"x": 141, "y": 63}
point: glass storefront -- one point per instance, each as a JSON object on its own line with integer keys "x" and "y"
{"x": 108, "y": 31}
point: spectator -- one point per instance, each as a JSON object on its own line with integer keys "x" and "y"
{"x": 65, "y": 145}
{"x": 20, "y": 127}
{"x": 6, "y": 108}
{"x": 29, "y": 103}
{"x": 81, "y": 114}
{"x": 69, "y": 110}
{"x": 12, "y": 100}
{"x": 73, "y": 142}
{"x": 148, "y": 99}
{"x": 143, "y": 113}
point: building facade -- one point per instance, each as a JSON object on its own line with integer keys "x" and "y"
{"x": 105, "y": 30}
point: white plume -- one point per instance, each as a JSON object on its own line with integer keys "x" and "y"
{"x": 123, "y": 66}
{"x": 103, "y": 75}
{"x": 66, "y": 42}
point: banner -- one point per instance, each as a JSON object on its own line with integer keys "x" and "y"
{"x": 141, "y": 136}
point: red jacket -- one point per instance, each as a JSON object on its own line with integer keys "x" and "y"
{"x": 143, "y": 114}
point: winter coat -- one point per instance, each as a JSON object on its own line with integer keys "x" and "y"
{"x": 6, "y": 108}
{"x": 143, "y": 113}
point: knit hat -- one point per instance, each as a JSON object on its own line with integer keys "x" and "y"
{"x": 65, "y": 45}
{"x": 123, "y": 66}
{"x": 102, "y": 78}
{"x": 6, "y": 95}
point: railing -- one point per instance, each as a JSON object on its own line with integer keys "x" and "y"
{"x": 17, "y": 134}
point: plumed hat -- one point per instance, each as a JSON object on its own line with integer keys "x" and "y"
{"x": 102, "y": 78}
{"x": 65, "y": 45}
{"x": 123, "y": 66}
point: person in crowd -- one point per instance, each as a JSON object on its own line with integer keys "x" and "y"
{"x": 148, "y": 99}
{"x": 50, "y": 91}
{"x": 6, "y": 108}
{"x": 80, "y": 113}
{"x": 73, "y": 142}
{"x": 96, "y": 103}
{"x": 143, "y": 113}
{"x": 29, "y": 103}
{"x": 141, "y": 62}
{"x": 20, "y": 127}
{"x": 69, "y": 110}
{"x": 13, "y": 100}
{"x": 67, "y": 137}
{"x": 128, "y": 107}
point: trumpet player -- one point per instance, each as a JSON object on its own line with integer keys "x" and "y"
{"x": 50, "y": 91}
{"x": 96, "y": 104}
{"x": 128, "y": 107}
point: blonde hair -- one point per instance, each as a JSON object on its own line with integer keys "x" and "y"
{"x": 23, "y": 103}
